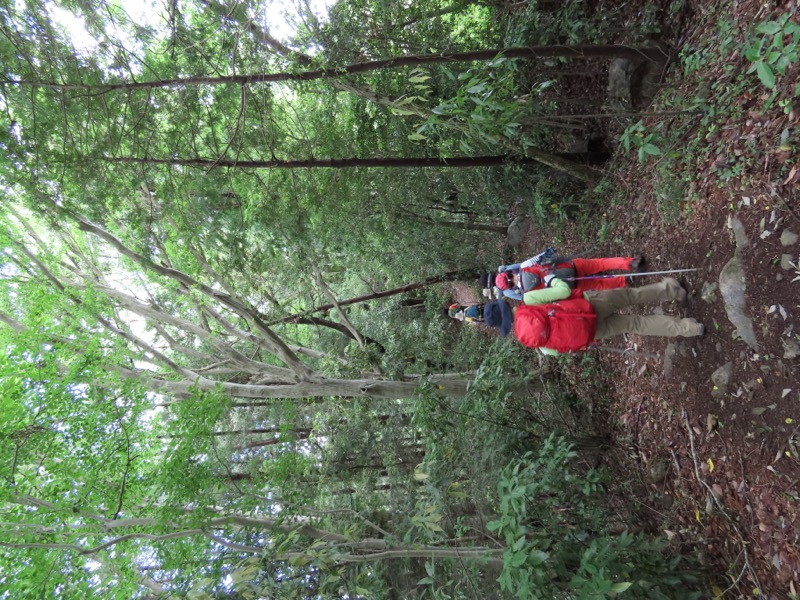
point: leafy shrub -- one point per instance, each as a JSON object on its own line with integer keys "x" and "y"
{"x": 556, "y": 531}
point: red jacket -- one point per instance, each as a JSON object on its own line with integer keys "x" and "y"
{"x": 566, "y": 326}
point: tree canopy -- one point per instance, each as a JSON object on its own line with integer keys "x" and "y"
{"x": 196, "y": 402}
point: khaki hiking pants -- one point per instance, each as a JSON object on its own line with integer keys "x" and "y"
{"x": 606, "y": 303}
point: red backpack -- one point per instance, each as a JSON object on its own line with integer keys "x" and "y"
{"x": 567, "y": 326}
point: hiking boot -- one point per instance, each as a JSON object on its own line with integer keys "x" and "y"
{"x": 696, "y": 329}
{"x": 637, "y": 263}
{"x": 675, "y": 291}
{"x": 682, "y": 295}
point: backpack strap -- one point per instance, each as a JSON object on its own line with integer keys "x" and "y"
{"x": 566, "y": 271}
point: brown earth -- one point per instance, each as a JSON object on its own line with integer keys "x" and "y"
{"x": 720, "y": 461}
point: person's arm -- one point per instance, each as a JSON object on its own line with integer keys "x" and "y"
{"x": 512, "y": 295}
{"x": 557, "y": 290}
{"x": 504, "y": 268}
{"x": 537, "y": 260}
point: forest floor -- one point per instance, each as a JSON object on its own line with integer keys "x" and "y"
{"x": 714, "y": 422}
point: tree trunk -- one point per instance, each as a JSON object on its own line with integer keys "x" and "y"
{"x": 345, "y": 163}
{"x": 338, "y": 327}
{"x": 580, "y": 52}
{"x": 449, "y": 276}
{"x": 501, "y": 229}
{"x": 344, "y": 388}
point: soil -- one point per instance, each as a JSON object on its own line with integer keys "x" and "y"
{"x": 720, "y": 460}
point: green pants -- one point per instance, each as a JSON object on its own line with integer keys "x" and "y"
{"x": 606, "y": 303}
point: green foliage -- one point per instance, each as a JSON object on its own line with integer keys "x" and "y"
{"x": 140, "y": 379}
{"x": 773, "y": 48}
{"x": 646, "y": 144}
{"x": 483, "y": 109}
{"x": 557, "y": 535}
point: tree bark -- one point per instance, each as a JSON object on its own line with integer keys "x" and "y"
{"x": 449, "y": 276}
{"x": 344, "y": 388}
{"x": 338, "y": 163}
{"x": 580, "y": 52}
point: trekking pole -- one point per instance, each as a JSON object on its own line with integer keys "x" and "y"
{"x": 625, "y": 352}
{"x": 630, "y": 274}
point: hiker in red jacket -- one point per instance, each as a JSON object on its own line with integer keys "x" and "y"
{"x": 572, "y": 325}
{"x": 527, "y": 278}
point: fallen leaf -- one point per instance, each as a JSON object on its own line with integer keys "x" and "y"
{"x": 710, "y": 464}
{"x": 759, "y": 410}
{"x": 794, "y": 175}
{"x": 717, "y": 489}
{"x": 697, "y": 515}
{"x": 711, "y": 422}
{"x": 786, "y": 392}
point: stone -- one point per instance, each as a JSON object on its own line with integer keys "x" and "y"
{"x": 786, "y": 260}
{"x": 788, "y": 238}
{"x": 721, "y": 378}
{"x": 518, "y": 230}
{"x": 732, "y": 286}
{"x": 709, "y": 292}
{"x": 739, "y": 233}
{"x": 658, "y": 470}
{"x": 669, "y": 354}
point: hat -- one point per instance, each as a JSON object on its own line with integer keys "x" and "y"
{"x": 498, "y": 314}
{"x": 503, "y": 281}
{"x": 455, "y": 311}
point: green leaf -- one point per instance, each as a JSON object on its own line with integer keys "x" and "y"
{"x": 651, "y": 149}
{"x": 518, "y": 559}
{"x": 769, "y": 28}
{"x": 792, "y": 29}
{"x": 618, "y": 588}
{"x": 765, "y": 74}
{"x": 430, "y": 568}
{"x": 416, "y": 137}
{"x": 419, "y": 79}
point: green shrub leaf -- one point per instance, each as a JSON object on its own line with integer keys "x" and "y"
{"x": 765, "y": 74}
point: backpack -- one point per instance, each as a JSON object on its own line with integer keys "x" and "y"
{"x": 566, "y": 326}
{"x": 564, "y": 270}
{"x": 531, "y": 327}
